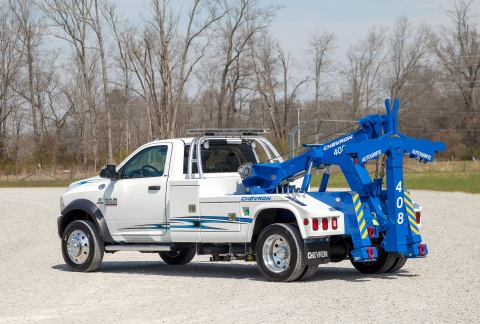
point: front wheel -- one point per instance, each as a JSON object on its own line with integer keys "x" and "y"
{"x": 82, "y": 246}
{"x": 181, "y": 257}
{"x": 384, "y": 263}
{"x": 279, "y": 251}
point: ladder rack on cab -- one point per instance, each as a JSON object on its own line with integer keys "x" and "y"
{"x": 231, "y": 135}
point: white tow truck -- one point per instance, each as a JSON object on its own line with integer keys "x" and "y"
{"x": 209, "y": 195}
{"x": 160, "y": 200}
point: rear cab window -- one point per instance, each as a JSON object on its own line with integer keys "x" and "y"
{"x": 221, "y": 157}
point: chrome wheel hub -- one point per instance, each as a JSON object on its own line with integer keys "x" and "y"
{"x": 276, "y": 253}
{"x": 78, "y": 247}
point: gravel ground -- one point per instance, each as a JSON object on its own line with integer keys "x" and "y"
{"x": 36, "y": 285}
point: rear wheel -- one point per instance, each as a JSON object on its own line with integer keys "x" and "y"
{"x": 82, "y": 246}
{"x": 181, "y": 257}
{"x": 398, "y": 264}
{"x": 279, "y": 251}
{"x": 308, "y": 272}
{"x": 383, "y": 263}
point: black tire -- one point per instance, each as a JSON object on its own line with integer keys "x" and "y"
{"x": 294, "y": 260}
{"x": 82, "y": 246}
{"x": 383, "y": 263}
{"x": 308, "y": 272}
{"x": 398, "y": 264}
{"x": 181, "y": 257}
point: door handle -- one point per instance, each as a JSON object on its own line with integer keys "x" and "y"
{"x": 153, "y": 187}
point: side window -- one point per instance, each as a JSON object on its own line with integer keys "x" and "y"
{"x": 149, "y": 162}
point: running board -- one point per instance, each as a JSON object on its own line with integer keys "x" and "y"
{"x": 141, "y": 248}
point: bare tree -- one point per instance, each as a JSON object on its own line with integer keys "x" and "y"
{"x": 71, "y": 17}
{"x": 275, "y": 82}
{"x": 231, "y": 34}
{"x": 96, "y": 25}
{"x": 163, "y": 58}
{"x": 321, "y": 46}
{"x": 31, "y": 36}
{"x": 409, "y": 56}
{"x": 122, "y": 61}
{"x": 138, "y": 50}
{"x": 206, "y": 77}
{"x": 266, "y": 67}
{"x": 57, "y": 109}
{"x": 214, "y": 64}
{"x": 458, "y": 49}
{"x": 290, "y": 84}
{"x": 11, "y": 56}
{"x": 74, "y": 102}
{"x": 366, "y": 61}
{"x": 194, "y": 30}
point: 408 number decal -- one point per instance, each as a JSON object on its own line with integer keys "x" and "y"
{"x": 399, "y": 202}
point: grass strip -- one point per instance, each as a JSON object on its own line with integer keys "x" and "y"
{"x": 36, "y": 183}
{"x": 436, "y": 181}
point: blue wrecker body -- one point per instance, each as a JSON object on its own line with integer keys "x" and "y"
{"x": 371, "y": 213}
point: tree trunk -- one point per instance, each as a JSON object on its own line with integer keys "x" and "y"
{"x": 98, "y": 31}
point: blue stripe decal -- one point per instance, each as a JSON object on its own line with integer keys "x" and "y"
{"x": 210, "y": 219}
{"x": 192, "y": 222}
{"x": 81, "y": 183}
{"x": 204, "y": 222}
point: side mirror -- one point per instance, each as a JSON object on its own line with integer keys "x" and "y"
{"x": 108, "y": 171}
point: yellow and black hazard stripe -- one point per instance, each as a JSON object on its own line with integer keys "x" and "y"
{"x": 411, "y": 213}
{"x": 360, "y": 217}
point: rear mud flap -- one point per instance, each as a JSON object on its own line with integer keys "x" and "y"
{"x": 317, "y": 251}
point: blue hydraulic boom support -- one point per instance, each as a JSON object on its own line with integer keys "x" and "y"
{"x": 377, "y": 135}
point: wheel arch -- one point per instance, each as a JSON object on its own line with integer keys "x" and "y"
{"x": 267, "y": 215}
{"x": 83, "y": 209}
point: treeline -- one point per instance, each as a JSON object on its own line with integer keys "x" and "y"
{"x": 121, "y": 83}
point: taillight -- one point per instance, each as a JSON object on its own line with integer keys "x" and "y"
{"x": 417, "y": 217}
{"x": 305, "y": 221}
{"x": 334, "y": 223}
{"x": 315, "y": 224}
{"x": 325, "y": 224}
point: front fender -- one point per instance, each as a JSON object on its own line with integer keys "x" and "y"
{"x": 91, "y": 209}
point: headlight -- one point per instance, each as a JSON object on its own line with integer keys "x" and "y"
{"x": 62, "y": 205}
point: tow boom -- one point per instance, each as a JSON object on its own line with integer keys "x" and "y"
{"x": 371, "y": 216}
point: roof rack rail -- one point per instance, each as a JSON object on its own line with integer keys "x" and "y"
{"x": 228, "y": 131}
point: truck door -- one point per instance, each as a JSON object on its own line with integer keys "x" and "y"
{"x": 135, "y": 204}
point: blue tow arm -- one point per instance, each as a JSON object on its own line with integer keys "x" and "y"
{"x": 378, "y": 135}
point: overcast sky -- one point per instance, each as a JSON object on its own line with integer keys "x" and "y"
{"x": 349, "y": 19}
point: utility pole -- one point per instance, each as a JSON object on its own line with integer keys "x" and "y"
{"x": 291, "y": 139}
{"x": 298, "y": 122}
